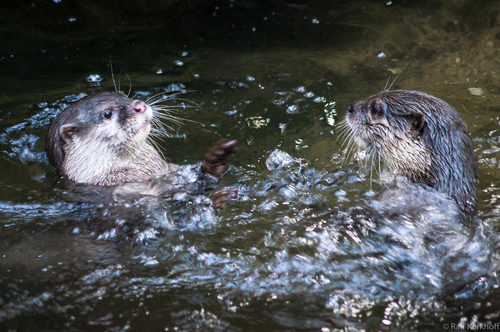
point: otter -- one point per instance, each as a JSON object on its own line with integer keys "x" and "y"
{"x": 419, "y": 137}
{"x": 104, "y": 140}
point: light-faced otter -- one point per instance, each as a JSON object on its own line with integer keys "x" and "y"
{"x": 103, "y": 140}
{"x": 420, "y": 137}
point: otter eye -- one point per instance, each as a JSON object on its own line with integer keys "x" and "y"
{"x": 375, "y": 109}
{"x": 107, "y": 114}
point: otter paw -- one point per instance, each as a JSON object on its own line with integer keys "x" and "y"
{"x": 219, "y": 197}
{"x": 216, "y": 159}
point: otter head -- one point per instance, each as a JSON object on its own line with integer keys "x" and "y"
{"x": 98, "y": 135}
{"x": 420, "y": 137}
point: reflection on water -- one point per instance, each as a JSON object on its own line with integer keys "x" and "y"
{"x": 310, "y": 243}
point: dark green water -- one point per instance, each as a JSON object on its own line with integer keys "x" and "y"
{"x": 299, "y": 249}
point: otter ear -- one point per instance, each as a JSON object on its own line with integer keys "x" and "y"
{"x": 55, "y": 142}
{"x": 67, "y": 132}
{"x": 418, "y": 123}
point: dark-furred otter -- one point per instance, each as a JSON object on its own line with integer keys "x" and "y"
{"x": 420, "y": 137}
{"x": 103, "y": 140}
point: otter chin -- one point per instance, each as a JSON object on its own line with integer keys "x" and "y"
{"x": 420, "y": 137}
{"x": 104, "y": 140}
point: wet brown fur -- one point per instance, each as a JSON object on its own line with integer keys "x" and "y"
{"x": 418, "y": 136}
{"x": 86, "y": 147}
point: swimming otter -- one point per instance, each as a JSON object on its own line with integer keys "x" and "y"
{"x": 103, "y": 140}
{"x": 420, "y": 137}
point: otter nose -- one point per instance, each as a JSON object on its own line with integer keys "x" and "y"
{"x": 139, "y": 106}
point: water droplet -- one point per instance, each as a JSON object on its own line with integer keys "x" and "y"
{"x": 292, "y": 109}
{"x": 476, "y": 91}
{"x": 94, "y": 78}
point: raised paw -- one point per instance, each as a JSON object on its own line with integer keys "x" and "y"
{"x": 219, "y": 197}
{"x": 216, "y": 159}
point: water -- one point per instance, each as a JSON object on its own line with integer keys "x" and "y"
{"x": 311, "y": 243}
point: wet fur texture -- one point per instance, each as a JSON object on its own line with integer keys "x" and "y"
{"x": 86, "y": 147}
{"x": 418, "y": 136}
{"x": 102, "y": 140}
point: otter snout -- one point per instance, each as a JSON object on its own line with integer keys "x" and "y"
{"x": 355, "y": 113}
{"x": 139, "y": 110}
{"x": 138, "y": 106}
{"x": 355, "y": 108}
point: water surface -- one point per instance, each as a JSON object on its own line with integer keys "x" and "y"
{"x": 309, "y": 244}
